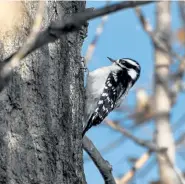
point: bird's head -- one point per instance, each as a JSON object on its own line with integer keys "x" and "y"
{"x": 133, "y": 68}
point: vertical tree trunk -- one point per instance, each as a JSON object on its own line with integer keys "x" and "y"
{"x": 164, "y": 137}
{"x": 41, "y": 109}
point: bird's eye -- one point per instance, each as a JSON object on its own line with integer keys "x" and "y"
{"x": 122, "y": 61}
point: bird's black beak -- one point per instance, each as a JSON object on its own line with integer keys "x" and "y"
{"x": 112, "y": 60}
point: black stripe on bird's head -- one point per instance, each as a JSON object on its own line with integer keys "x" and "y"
{"x": 130, "y": 65}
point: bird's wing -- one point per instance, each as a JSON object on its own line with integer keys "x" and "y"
{"x": 94, "y": 88}
{"x": 113, "y": 91}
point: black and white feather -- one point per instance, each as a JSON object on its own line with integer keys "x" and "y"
{"x": 106, "y": 89}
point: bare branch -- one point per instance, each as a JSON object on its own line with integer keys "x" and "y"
{"x": 103, "y": 165}
{"x": 177, "y": 172}
{"x": 178, "y": 123}
{"x": 147, "y": 144}
{"x": 111, "y": 146}
{"x": 147, "y": 168}
{"x": 144, "y": 22}
{"x": 180, "y": 140}
{"x": 138, "y": 164}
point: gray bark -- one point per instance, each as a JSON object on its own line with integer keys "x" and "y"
{"x": 41, "y": 109}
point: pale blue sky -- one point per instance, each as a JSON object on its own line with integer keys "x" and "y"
{"x": 122, "y": 37}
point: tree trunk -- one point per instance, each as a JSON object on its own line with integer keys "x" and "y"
{"x": 41, "y": 109}
{"x": 164, "y": 137}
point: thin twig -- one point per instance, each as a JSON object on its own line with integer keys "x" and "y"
{"x": 110, "y": 147}
{"x": 180, "y": 140}
{"x": 147, "y": 168}
{"x": 178, "y": 123}
{"x": 138, "y": 164}
{"x": 144, "y": 22}
{"x": 114, "y": 144}
{"x": 103, "y": 166}
{"x": 149, "y": 30}
{"x": 144, "y": 143}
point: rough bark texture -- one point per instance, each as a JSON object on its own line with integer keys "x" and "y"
{"x": 41, "y": 109}
{"x": 164, "y": 137}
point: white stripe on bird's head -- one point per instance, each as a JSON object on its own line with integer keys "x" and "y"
{"x": 133, "y": 74}
{"x": 132, "y": 62}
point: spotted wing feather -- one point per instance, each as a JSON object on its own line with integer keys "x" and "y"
{"x": 115, "y": 87}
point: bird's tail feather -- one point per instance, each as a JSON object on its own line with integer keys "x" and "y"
{"x": 88, "y": 126}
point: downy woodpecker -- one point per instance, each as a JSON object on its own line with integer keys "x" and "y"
{"x": 107, "y": 87}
